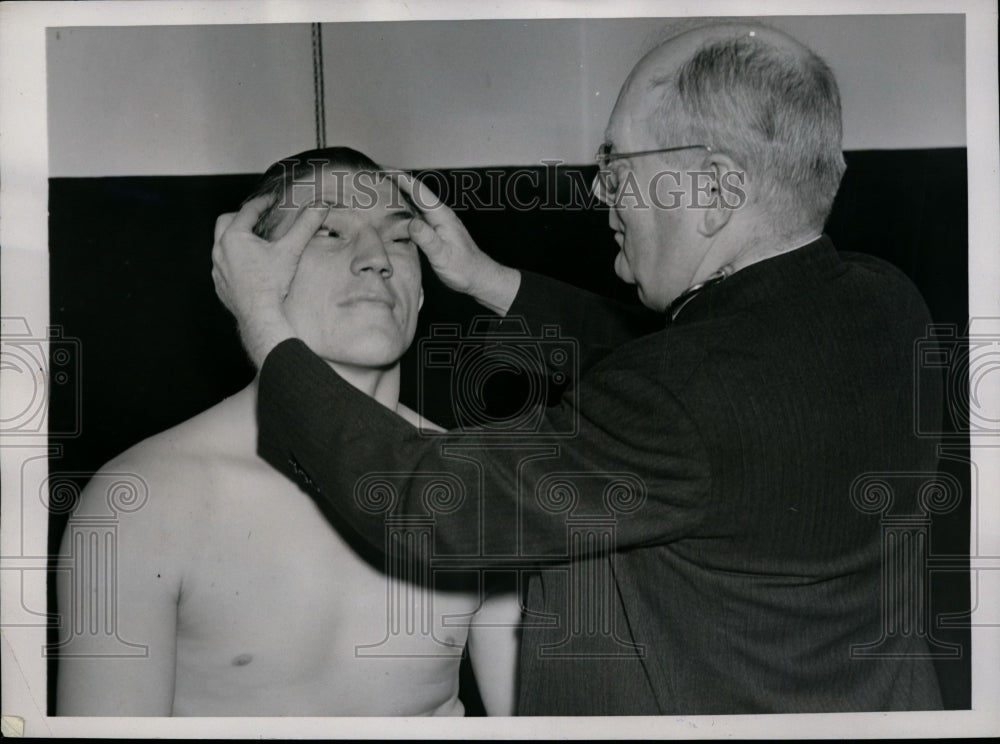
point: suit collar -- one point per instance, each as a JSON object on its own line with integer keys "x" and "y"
{"x": 799, "y": 269}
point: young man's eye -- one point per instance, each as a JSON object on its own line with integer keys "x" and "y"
{"x": 331, "y": 233}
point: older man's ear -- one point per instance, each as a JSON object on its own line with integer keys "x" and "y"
{"x": 719, "y": 204}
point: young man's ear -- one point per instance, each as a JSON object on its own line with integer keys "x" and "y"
{"x": 723, "y": 194}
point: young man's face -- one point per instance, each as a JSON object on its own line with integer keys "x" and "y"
{"x": 355, "y": 296}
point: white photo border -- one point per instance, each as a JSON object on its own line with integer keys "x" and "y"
{"x": 24, "y": 172}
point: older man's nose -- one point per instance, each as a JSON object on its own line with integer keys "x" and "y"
{"x": 370, "y": 254}
{"x": 599, "y": 188}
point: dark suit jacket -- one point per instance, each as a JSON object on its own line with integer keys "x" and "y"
{"x": 727, "y": 459}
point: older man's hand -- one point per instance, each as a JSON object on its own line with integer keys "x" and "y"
{"x": 252, "y": 275}
{"x": 454, "y": 255}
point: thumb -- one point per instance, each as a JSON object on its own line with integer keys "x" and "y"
{"x": 306, "y": 224}
{"x": 222, "y": 224}
{"x": 425, "y": 237}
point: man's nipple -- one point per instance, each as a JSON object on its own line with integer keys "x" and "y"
{"x": 242, "y": 660}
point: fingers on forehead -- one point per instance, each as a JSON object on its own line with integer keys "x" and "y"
{"x": 222, "y": 223}
{"x": 423, "y": 196}
{"x": 250, "y": 212}
{"x": 306, "y": 223}
{"x": 404, "y": 183}
{"x": 415, "y": 189}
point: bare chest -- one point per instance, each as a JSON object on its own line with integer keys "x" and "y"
{"x": 278, "y": 611}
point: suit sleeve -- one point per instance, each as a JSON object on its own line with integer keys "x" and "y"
{"x": 620, "y": 447}
{"x": 597, "y": 324}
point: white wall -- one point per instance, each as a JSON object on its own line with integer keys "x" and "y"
{"x": 228, "y": 99}
{"x": 902, "y": 78}
{"x": 177, "y": 100}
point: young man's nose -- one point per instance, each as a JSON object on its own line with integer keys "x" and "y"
{"x": 370, "y": 254}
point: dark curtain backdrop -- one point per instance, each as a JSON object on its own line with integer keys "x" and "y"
{"x": 130, "y": 262}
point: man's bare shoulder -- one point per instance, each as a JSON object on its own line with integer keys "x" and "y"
{"x": 227, "y": 429}
{"x": 175, "y": 469}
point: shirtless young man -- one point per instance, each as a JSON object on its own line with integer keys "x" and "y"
{"x": 249, "y": 601}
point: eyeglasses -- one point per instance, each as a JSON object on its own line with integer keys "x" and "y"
{"x": 605, "y": 186}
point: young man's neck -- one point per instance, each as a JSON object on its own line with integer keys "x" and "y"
{"x": 382, "y": 384}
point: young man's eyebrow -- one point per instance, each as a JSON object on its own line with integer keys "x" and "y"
{"x": 320, "y": 203}
{"x": 410, "y": 204}
{"x": 404, "y": 214}
{"x": 407, "y": 211}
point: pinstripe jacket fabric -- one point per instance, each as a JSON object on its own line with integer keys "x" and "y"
{"x": 695, "y": 520}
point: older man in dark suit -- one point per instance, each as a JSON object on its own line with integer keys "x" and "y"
{"x": 744, "y": 572}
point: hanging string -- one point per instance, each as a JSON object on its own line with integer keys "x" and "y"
{"x": 318, "y": 94}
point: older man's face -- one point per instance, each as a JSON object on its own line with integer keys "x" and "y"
{"x": 653, "y": 224}
{"x": 355, "y": 296}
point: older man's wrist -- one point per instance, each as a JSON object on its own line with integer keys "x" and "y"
{"x": 496, "y": 287}
{"x": 263, "y": 331}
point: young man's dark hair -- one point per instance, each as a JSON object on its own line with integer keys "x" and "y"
{"x": 304, "y": 167}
